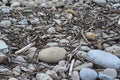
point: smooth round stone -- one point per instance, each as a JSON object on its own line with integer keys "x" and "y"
{"x": 5, "y": 23}
{"x": 2, "y": 57}
{"x": 12, "y": 78}
{"x": 110, "y": 72}
{"x": 104, "y": 77}
{"x": 52, "y": 54}
{"x": 102, "y": 58}
{"x": 5, "y": 9}
{"x": 51, "y": 30}
{"x": 43, "y": 76}
{"x": 100, "y": 2}
{"x": 114, "y": 49}
{"x": 15, "y": 4}
{"x": 91, "y": 35}
{"x": 75, "y": 75}
{"x": 88, "y": 74}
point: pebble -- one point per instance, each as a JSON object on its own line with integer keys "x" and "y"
{"x": 119, "y": 22}
{"x": 75, "y": 75}
{"x": 12, "y": 78}
{"x": 105, "y": 45}
{"x": 60, "y": 69}
{"x": 63, "y": 42}
{"x": 52, "y": 44}
{"x": 5, "y": 23}
{"x": 91, "y": 35}
{"x": 102, "y": 58}
{"x": 15, "y": 4}
{"x": 110, "y": 72}
{"x": 51, "y": 30}
{"x": 31, "y": 67}
{"x": 57, "y": 21}
{"x": 52, "y": 54}
{"x": 31, "y": 53}
{"x": 85, "y": 65}
{"x": 114, "y": 49}
{"x": 34, "y": 21}
{"x": 43, "y": 76}
{"x": 62, "y": 62}
{"x": 2, "y": 57}
{"x": 3, "y": 47}
{"x": 5, "y": 9}
{"x": 3, "y": 69}
{"x": 53, "y": 74}
{"x": 100, "y": 2}
{"x": 23, "y": 22}
{"x": 19, "y": 60}
{"x": 88, "y": 74}
{"x": 104, "y": 77}
{"x": 77, "y": 63}
{"x": 85, "y": 48}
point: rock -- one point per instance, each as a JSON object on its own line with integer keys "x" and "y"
{"x": 15, "y": 4}
{"x": 100, "y": 2}
{"x": 119, "y": 22}
{"x": 114, "y": 49}
{"x": 3, "y": 69}
{"x": 77, "y": 63}
{"x": 52, "y": 44}
{"x": 52, "y": 54}
{"x": 104, "y": 77}
{"x": 63, "y": 42}
{"x": 62, "y": 62}
{"x": 51, "y": 30}
{"x": 69, "y": 16}
{"x": 105, "y": 45}
{"x": 34, "y": 21}
{"x": 16, "y": 70}
{"x": 2, "y": 57}
{"x": 85, "y": 65}
{"x": 5, "y": 23}
{"x": 88, "y": 74}
{"x": 43, "y": 76}
{"x": 110, "y": 72}
{"x": 31, "y": 67}
{"x": 102, "y": 58}
{"x": 5, "y": 9}
{"x": 57, "y": 21}
{"x": 31, "y": 53}
{"x": 85, "y": 48}
{"x": 91, "y": 35}
{"x": 12, "y": 78}
{"x": 53, "y": 74}
{"x": 3, "y": 47}
{"x": 60, "y": 69}
{"x": 23, "y": 22}
{"x": 19, "y": 60}
{"x": 75, "y": 75}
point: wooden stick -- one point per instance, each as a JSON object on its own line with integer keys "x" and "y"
{"x": 24, "y": 48}
{"x": 71, "y": 67}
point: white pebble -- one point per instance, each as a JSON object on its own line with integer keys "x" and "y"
{"x": 5, "y": 23}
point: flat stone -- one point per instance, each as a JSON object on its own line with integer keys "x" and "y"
{"x": 110, "y": 72}
{"x": 52, "y": 44}
{"x": 114, "y": 49}
{"x": 52, "y": 54}
{"x": 85, "y": 48}
{"x": 5, "y": 23}
{"x": 75, "y": 75}
{"x": 100, "y": 2}
{"x": 104, "y": 77}
{"x": 88, "y": 74}
{"x": 2, "y": 57}
{"x": 3, "y": 47}
{"x": 53, "y": 74}
{"x": 85, "y": 65}
{"x": 43, "y": 76}
{"x": 5, "y": 9}
{"x": 51, "y": 30}
{"x": 102, "y": 58}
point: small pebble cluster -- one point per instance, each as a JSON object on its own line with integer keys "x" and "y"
{"x": 59, "y": 39}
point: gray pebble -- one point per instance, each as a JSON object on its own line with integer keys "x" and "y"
{"x": 3, "y": 47}
{"x": 104, "y": 77}
{"x": 5, "y": 23}
{"x": 104, "y": 59}
{"x": 75, "y": 75}
{"x": 88, "y": 74}
{"x": 51, "y": 30}
{"x": 43, "y": 76}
